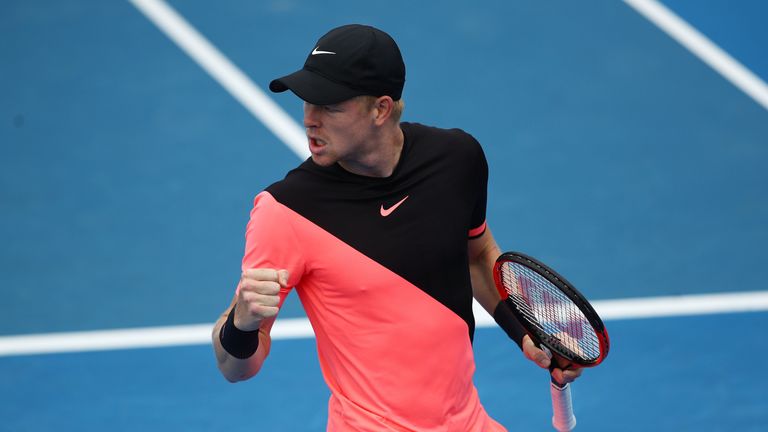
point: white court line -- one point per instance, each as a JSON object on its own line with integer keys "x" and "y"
{"x": 703, "y": 48}
{"x": 295, "y": 328}
{"x": 147, "y": 337}
{"x": 226, "y": 73}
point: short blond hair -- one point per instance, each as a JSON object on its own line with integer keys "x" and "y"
{"x": 397, "y": 109}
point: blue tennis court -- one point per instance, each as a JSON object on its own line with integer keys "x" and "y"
{"x": 617, "y": 153}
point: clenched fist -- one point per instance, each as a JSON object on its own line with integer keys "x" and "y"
{"x": 258, "y": 296}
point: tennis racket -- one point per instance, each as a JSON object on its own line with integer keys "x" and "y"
{"x": 558, "y": 319}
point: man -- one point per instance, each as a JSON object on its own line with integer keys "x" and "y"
{"x": 382, "y": 232}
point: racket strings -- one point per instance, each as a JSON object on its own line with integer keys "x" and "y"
{"x": 526, "y": 310}
{"x": 550, "y": 311}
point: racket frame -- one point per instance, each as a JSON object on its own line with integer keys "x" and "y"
{"x": 534, "y": 328}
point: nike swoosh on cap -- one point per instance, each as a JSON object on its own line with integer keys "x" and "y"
{"x": 316, "y": 51}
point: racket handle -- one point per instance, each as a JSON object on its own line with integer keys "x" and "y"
{"x": 562, "y": 418}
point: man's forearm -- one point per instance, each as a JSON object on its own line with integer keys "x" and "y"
{"x": 236, "y": 369}
{"x": 483, "y": 254}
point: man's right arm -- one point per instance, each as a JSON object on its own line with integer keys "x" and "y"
{"x": 247, "y": 322}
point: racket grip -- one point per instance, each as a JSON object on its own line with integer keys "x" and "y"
{"x": 562, "y": 418}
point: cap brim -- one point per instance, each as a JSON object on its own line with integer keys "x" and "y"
{"x": 313, "y": 88}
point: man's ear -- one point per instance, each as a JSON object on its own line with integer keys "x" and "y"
{"x": 382, "y": 109}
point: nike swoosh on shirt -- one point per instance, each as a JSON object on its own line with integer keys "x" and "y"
{"x": 386, "y": 212}
{"x": 316, "y": 51}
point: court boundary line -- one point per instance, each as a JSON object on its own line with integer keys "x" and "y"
{"x": 703, "y": 48}
{"x": 299, "y": 328}
{"x": 218, "y": 66}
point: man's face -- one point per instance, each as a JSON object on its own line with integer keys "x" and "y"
{"x": 339, "y": 132}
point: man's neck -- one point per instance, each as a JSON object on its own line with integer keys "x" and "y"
{"x": 383, "y": 159}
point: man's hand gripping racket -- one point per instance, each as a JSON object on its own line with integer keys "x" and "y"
{"x": 556, "y": 317}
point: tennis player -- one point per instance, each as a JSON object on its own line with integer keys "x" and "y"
{"x": 382, "y": 232}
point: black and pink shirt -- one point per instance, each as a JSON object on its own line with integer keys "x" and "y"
{"x": 381, "y": 268}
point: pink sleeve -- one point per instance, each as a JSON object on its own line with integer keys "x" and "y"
{"x": 270, "y": 241}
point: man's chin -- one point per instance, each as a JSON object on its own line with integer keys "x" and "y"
{"x": 322, "y": 160}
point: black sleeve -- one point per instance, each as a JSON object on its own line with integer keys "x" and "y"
{"x": 481, "y": 191}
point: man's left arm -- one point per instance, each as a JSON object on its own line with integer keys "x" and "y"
{"x": 483, "y": 252}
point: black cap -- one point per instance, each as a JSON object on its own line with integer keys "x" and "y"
{"x": 348, "y": 61}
